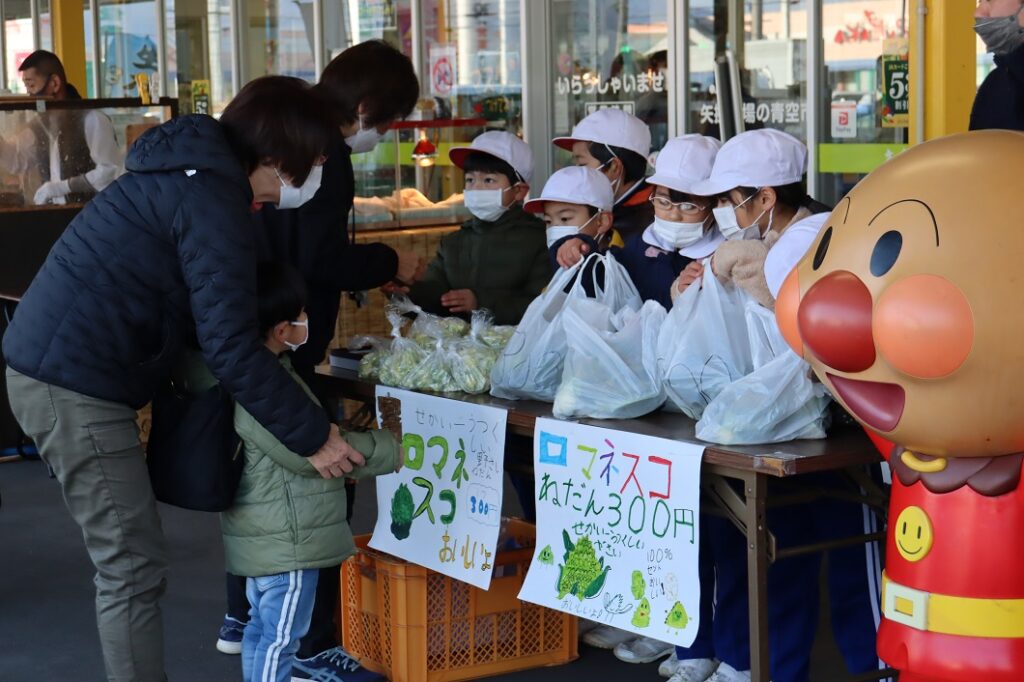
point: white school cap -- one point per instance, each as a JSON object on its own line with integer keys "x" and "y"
{"x": 757, "y": 158}
{"x": 684, "y": 162}
{"x": 613, "y": 127}
{"x": 575, "y": 185}
{"x": 501, "y": 145}
{"x": 790, "y": 249}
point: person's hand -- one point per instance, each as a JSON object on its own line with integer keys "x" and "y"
{"x": 48, "y": 191}
{"x": 690, "y": 274}
{"x": 411, "y": 267}
{"x": 571, "y": 252}
{"x": 392, "y": 288}
{"x": 335, "y": 458}
{"x": 459, "y": 301}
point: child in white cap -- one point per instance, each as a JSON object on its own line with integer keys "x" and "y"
{"x": 682, "y": 230}
{"x": 576, "y": 202}
{"x": 498, "y": 259}
{"x": 617, "y": 144}
{"x": 758, "y": 178}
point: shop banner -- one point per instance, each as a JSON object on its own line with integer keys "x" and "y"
{"x": 896, "y": 84}
{"x": 443, "y": 509}
{"x": 617, "y": 529}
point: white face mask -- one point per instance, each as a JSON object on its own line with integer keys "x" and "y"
{"x": 557, "y": 232}
{"x": 729, "y": 226}
{"x": 299, "y": 323}
{"x": 677, "y": 235}
{"x": 486, "y": 204}
{"x": 363, "y": 140}
{"x": 293, "y": 197}
{"x": 617, "y": 181}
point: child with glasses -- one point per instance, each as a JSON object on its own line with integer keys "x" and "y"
{"x": 683, "y": 230}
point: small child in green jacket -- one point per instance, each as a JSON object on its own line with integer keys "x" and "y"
{"x": 287, "y": 521}
{"x": 497, "y": 260}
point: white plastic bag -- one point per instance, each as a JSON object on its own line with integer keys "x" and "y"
{"x": 779, "y": 401}
{"x": 530, "y": 367}
{"x": 611, "y": 367}
{"x": 703, "y": 344}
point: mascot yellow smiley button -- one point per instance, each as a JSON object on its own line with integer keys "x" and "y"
{"x": 913, "y": 534}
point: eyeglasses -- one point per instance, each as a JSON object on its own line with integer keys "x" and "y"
{"x": 667, "y": 205}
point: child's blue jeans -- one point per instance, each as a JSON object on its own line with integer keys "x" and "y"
{"x": 281, "y": 607}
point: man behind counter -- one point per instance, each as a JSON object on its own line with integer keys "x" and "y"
{"x": 75, "y": 151}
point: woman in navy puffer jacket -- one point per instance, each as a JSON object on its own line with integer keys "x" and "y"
{"x": 163, "y": 257}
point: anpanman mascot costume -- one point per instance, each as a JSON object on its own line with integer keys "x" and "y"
{"x": 910, "y": 309}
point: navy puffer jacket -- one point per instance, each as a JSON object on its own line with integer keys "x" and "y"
{"x": 162, "y": 256}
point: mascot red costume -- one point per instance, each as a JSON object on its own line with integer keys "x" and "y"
{"x": 910, "y": 309}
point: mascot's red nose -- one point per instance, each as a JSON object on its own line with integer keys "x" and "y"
{"x": 835, "y": 322}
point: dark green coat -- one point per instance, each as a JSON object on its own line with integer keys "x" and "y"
{"x": 505, "y": 263}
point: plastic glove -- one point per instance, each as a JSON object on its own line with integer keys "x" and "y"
{"x": 48, "y": 191}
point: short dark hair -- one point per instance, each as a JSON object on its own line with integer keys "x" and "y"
{"x": 44, "y": 62}
{"x": 634, "y": 165}
{"x": 375, "y": 75}
{"x": 279, "y": 120}
{"x": 793, "y": 195}
{"x": 482, "y": 162}
{"x": 281, "y": 294}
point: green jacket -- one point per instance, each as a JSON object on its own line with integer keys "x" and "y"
{"x": 285, "y": 516}
{"x": 505, "y": 263}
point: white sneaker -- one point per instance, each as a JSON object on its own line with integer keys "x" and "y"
{"x": 727, "y": 673}
{"x": 694, "y": 670}
{"x": 642, "y": 650}
{"x": 607, "y": 637}
{"x": 668, "y": 666}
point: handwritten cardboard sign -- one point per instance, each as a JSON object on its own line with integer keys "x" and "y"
{"x": 617, "y": 529}
{"x": 443, "y": 509}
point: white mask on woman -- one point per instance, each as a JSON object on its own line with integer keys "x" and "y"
{"x": 676, "y": 234}
{"x": 364, "y": 139}
{"x": 486, "y": 204}
{"x": 293, "y": 197}
{"x": 298, "y": 323}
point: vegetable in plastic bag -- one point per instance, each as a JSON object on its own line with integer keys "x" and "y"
{"x": 779, "y": 401}
{"x": 531, "y": 365}
{"x": 703, "y": 344}
{"x": 370, "y": 364}
{"x": 473, "y": 360}
{"x": 611, "y": 367}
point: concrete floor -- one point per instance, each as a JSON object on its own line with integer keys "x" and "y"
{"x": 47, "y": 626}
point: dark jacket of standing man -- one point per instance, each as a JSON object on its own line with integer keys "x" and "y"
{"x": 1000, "y": 99}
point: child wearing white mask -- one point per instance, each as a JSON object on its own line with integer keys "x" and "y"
{"x": 682, "y": 230}
{"x": 758, "y": 178}
{"x": 497, "y": 260}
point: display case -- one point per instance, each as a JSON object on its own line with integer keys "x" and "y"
{"x": 27, "y": 123}
{"x": 407, "y": 181}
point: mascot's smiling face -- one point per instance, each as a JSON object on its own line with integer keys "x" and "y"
{"x": 910, "y": 304}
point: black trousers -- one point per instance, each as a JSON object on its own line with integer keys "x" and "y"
{"x": 323, "y": 628}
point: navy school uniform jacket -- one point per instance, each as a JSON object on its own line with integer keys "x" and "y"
{"x": 651, "y": 269}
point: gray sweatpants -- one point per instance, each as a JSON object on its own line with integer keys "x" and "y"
{"x": 93, "y": 447}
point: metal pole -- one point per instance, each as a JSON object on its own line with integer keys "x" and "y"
{"x": 97, "y": 45}
{"x": 757, "y": 20}
{"x": 416, "y": 17}
{"x": 237, "y": 57}
{"x": 815, "y": 93}
{"x": 917, "y": 73}
{"x": 37, "y": 34}
{"x": 679, "y": 60}
{"x": 787, "y": 28}
{"x": 318, "y": 38}
{"x": 535, "y": 48}
{"x": 161, "y": 47}
{"x": 3, "y": 47}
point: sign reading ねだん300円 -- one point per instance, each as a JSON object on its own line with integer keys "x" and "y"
{"x": 617, "y": 529}
{"x": 443, "y": 509}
